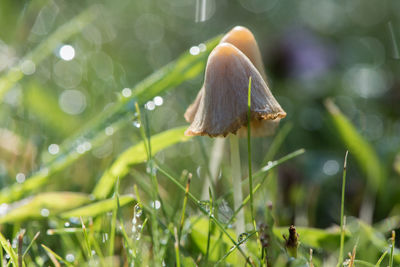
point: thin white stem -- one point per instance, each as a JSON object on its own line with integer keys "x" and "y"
{"x": 237, "y": 183}
{"x": 217, "y": 153}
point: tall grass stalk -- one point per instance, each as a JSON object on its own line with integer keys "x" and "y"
{"x": 189, "y": 178}
{"x": 209, "y": 223}
{"x": 249, "y": 165}
{"x": 154, "y": 183}
{"x": 392, "y": 249}
{"x": 177, "y": 254}
{"x": 342, "y": 212}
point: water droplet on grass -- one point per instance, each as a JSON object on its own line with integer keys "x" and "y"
{"x": 205, "y": 204}
{"x": 105, "y": 237}
{"x": 242, "y": 237}
{"x": 126, "y": 92}
{"x": 45, "y": 212}
{"x": 136, "y": 124}
{"x": 138, "y": 210}
{"x": 156, "y": 204}
{"x": 109, "y": 130}
{"x": 70, "y": 257}
{"x": 194, "y": 50}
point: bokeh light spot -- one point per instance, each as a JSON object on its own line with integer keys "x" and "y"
{"x": 67, "y": 52}
{"x": 331, "y": 167}
{"x": 72, "y": 102}
{"x": 54, "y": 149}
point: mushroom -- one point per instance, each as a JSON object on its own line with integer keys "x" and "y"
{"x": 244, "y": 40}
{"x": 223, "y": 105}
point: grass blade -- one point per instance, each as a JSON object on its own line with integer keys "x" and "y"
{"x": 341, "y": 248}
{"x": 378, "y": 263}
{"x": 393, "y": 238}
{"x": 363, "y": 152}
{"x": 55, "y": 257}
{"x": 8, "y": 249}
{"x": 31, "y": 243}
{"x": 177, "y": 255}
{"x": 136, "y": 154}
{"x": 97, "y": 208}
{"x": 53, "y": 202}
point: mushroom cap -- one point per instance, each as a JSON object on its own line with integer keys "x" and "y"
{"x": 222, "y": 106}
{"x": 244, "y": 40}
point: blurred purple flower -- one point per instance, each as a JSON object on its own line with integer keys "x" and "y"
{"x": 301, "y": 54}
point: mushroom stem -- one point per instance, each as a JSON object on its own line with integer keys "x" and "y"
{"x": 237, "y": 182}
{"x": 217, "y": 153}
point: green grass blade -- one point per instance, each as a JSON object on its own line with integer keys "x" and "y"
{"x": 7, "y": 247}
{"x": 31, "y": 243}
{"x": 87, "y": 242}
{"x": 136, "y": 154}
{"x": 364, "y": 263}
{"x": 46, "y": 47}
{"x": 52, "y": 254}
{"x": 54, "y": 202}
{"x": 363, "y": 152}
{"x": 97, "y": 208}
{"x": 393, "y": 239}
{"x": 342, "y": 231}
{"x": 277, "y": 142}
{"x": 378, "y": 263}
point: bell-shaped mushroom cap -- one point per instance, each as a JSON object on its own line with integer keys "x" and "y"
{"x": 222, "y": 108}
{"x": 244, "y": 40}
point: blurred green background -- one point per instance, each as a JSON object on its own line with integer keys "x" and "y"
{"x": 347, "y": 51}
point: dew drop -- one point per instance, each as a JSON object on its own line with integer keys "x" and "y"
{"x": 137, "y": 236}
{"x": 45, "y": 212}
{"x": 194, "y": 50}
{"x": 158, "y": 101}
{"x": 150, "y": 105}
{"x": 242, "y": 237}
{"x": 202, "y": 47}
{"x": 136, "y": 124}
{"x": 70, "y": 257}
{"x": 20, "y": 177}
{"x": 138, "y": 210}
{"x": 205, "y": 204}
{"x": 105, "y": 237}
{"x": 126, "y": 92}
{"x": 156, "y": 204}
{"x": 53, "y": 149}
{"x": 109, "y": 130}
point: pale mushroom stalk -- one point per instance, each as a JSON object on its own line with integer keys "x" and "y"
{"x": 217, "y": 153}
{"x": 237, "y": 182}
